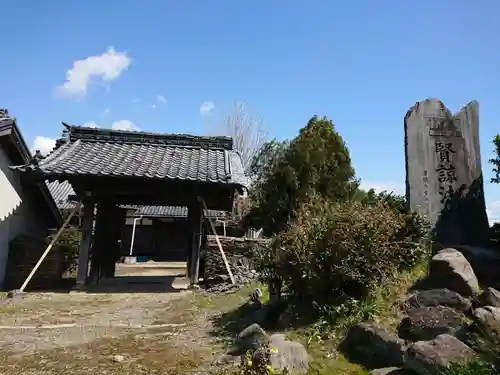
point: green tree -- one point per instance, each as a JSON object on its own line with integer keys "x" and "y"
{"x": 496, "y": 161}
{"x": 315, "y": 163}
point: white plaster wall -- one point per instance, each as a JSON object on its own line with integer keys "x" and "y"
{"x": 16, "y": 213}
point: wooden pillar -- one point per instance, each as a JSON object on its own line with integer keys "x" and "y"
{"x": 117, "y": 223}
{"x": 195, "y": 217}
{"x": 87, "y": 224}
{"x": 106, "y": 249}
{"x": 189, "y": 245}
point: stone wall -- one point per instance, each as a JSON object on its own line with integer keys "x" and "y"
{"x": 239, "y": 253}
{"x": 25, "y": 251}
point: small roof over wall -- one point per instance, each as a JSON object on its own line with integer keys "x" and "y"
{"x": 13, "y": 144}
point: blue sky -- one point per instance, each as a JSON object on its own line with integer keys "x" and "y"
{"x": 153, "y": 64}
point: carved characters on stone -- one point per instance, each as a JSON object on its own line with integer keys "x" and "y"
{"x": 443, "y": 170}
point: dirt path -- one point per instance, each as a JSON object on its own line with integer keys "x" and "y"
{"x": 109, "y": 337}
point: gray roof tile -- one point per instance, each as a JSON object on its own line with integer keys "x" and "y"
{"x": 102, "y": 152}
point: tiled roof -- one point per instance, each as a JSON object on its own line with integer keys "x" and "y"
{"x": 173, "y": 211}
{"x": 62, "y": 190}
{"x": 101, "y": 152}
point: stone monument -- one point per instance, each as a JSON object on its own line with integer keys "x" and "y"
{"x": 443, "y": 171}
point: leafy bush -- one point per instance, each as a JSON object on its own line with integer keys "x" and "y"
{"x": 67, "y": 244}
{"x": 414, "y": 234}
{"x": 336, "y": 252}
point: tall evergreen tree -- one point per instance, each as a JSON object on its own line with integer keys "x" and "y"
{"x": 316, "y": 162}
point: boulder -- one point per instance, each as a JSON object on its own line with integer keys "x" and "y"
{"x": 490, "y": 297}
{"x": 430, "y": 357}
{"x": 439, "y": 297}
{"x": 392, "y": 371}
{"x": 268, "y": 315}
{"x": 252, "y": 337}
{"x": 281, "y": 354}
{"x": 488, "y": 321}
{"x": 372, "y": 347}
{"x": 484, "y": 261}
{"x": 426, "y": 323}
{"x": 450, "y": 269}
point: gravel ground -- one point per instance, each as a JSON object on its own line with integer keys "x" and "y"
{"x": 97, "y": 316}
{"x": 142, "y": 322}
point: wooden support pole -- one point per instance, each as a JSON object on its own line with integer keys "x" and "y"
{"x": 47, "y": 250}
{"x": 85, "y": 243}
{"x": 218, "y": 242}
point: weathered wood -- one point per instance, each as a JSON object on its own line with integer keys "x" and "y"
{"x": 443, "y": 171}
{"x": 105, "y": 250}
{"x": 86, "y": 242}
{"x": 195, "y": 219}
{"x": 141, "y": 192}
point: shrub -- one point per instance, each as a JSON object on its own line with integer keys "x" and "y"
{"x": 335, "y": 252}
{"x": 67, "y": 244}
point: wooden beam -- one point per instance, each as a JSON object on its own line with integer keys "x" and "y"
{"x": 85, "y": 243}
{"x": 47, "y": 250}
{"x": 218, "y": 243}
{"x": 147, "y": 192}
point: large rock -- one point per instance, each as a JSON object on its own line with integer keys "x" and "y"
{"x": 252, "y": 337}
{"x": 281, "y": 354}
{"x": 372, "y": 347}
{"x": 392, "y": 371}
{"x": 430, "y": 357}
{"x": 438, "y": 297}
{"x": 484, "y": 261}
{"x": 450, "y": 269}
{"x": 426, "y": 323}
{"x": 488, "y": 321}
{"x": 490, "y": 297}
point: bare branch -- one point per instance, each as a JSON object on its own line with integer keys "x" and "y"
{"x": 247, "y": 130}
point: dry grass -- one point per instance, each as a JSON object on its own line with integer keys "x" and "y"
{"x": 131, "y": 354}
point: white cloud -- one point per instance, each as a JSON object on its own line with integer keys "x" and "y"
{"x": 207, "y": 107}
{"x": 106, "y": 111}
{"x": 161, "y": 99}
{"x": 135, "y": 100}
{"x": 379, "y": 187}
{"x": 493, "y": 211}
{"x": 90, "y": 124}
{"x": 43, "y": 144}
{"x": 124, "y": 125}
{"x": 153, "y": 106}
{"x": 106, "y": 67}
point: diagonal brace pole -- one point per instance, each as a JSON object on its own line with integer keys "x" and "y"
{"x": 218, "y": 242}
